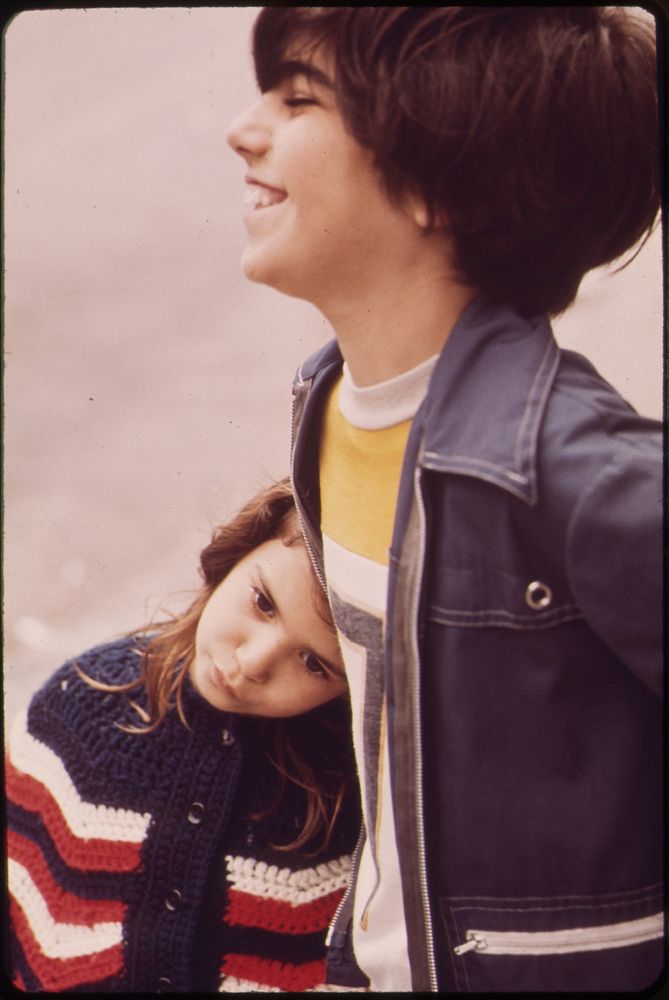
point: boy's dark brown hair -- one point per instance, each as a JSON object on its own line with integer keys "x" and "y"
{"x": 314, "y": 750}
{"x": 531, "y": 133}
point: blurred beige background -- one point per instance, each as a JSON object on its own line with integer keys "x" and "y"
{"x": 147, "y": 384}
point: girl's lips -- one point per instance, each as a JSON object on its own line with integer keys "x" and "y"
{"x": 220, "y": 681}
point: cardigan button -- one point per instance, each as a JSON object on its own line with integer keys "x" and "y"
{"x": 196, "y": 813}
{"x": 227, "y": 739}
{"x": 173, "y": 900}
{"x": 538, "y": 595}
{"x": 164, "y": 984}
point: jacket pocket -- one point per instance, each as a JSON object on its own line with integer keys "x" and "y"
{"x": 609, "y": 942}
{"x": 469, "y": 598}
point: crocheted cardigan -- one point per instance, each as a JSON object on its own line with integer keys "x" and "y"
{"x": 134, "y": 863}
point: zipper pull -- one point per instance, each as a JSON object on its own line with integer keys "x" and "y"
{"x": 474, "y": 942}
{"x": 334, "y": 938}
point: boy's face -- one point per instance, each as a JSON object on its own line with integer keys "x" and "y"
{"x": 318, "y": 221}
{"x": 261, "y": 645}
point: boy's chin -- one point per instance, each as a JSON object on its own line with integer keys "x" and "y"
{"x": 261, "y": 271}
{"x": 255, "y": 268}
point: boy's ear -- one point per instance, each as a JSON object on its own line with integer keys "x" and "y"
{"x": 418, "y": 211}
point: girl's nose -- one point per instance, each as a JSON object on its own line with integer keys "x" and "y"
{"x": 257, "y": 657}
{"x": 249, "y": 133}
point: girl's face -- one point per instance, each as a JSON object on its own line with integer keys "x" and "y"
{"x": 319, "y": 224}
{"x": 261, "y": 646}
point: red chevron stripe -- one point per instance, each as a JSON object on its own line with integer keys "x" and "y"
{"x": 88, "y": 854}
{"x": 280, "y": 975}
{"x": 280, "y": 916}
{"x": 64, "y": 907}
{"x": 59, "y": 974}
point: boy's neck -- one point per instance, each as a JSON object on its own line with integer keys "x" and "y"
{"x": 385, "y": 333}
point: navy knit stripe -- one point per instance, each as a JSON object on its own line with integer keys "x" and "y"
{"x": 89, "y": 884}
{"x": 292, "y": 948}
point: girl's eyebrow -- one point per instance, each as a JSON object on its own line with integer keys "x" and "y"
{"x": 335, "y": 670}
{"x": 267, "y": 591}
{"x": 288, "y": 68}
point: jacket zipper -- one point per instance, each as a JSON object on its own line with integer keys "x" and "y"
{"x": 418, "y": 773}
{"x": 349, "y": 888}
{"x": 301, "y": 516}
{"x": 574, "y": 939}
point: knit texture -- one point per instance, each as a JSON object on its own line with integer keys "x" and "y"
{"x": 134, "y": 861}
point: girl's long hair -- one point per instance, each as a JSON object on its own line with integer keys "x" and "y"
{"x": 288, "y": 742}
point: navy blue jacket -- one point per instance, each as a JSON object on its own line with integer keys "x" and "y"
{"x": 523, "y": 664}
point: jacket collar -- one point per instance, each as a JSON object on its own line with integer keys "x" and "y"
{"x": 486, "y": 398}
{"x": 325, "y": 356}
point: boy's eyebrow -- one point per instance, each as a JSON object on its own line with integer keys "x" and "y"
{"x": 288, "y": 68}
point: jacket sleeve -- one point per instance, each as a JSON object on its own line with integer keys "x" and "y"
{"x": 615, "y": 559}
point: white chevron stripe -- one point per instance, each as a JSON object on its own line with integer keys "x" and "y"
{"x": 231, "y": 984}
{"x": 285, "y": 885}
{"x": 83, "y": 818}
{"x": 57, "y": 940}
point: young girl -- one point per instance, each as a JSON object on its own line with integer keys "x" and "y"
{"x": 181, "y": 803}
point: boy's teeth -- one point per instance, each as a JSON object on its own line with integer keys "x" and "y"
{"x": 257, "y": 197}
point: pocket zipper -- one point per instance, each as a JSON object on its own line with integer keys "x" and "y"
{"x": 561, "y": 942}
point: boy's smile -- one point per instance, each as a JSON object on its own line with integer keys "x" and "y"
{"x": 258, "y": 195}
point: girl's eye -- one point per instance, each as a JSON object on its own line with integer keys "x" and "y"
{"x": 313, "y": 666}
{"x": 262, "y": 601}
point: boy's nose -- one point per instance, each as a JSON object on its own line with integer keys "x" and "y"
{"x": 249, "y": 133}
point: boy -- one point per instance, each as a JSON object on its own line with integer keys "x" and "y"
{"x": 486, "y": 510}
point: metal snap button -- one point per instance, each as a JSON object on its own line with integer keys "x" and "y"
{"x": 173, "y": 900}
{"x": 164, "y": 984}
{"x": 227, "y": 739}
{"x": 196, "y": 813}
{"x": 538, "y": 595}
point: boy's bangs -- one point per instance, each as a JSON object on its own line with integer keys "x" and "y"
{"x": 280, "y": 32}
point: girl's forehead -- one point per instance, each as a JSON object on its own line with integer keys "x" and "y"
{"x": 317, "y": 600}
